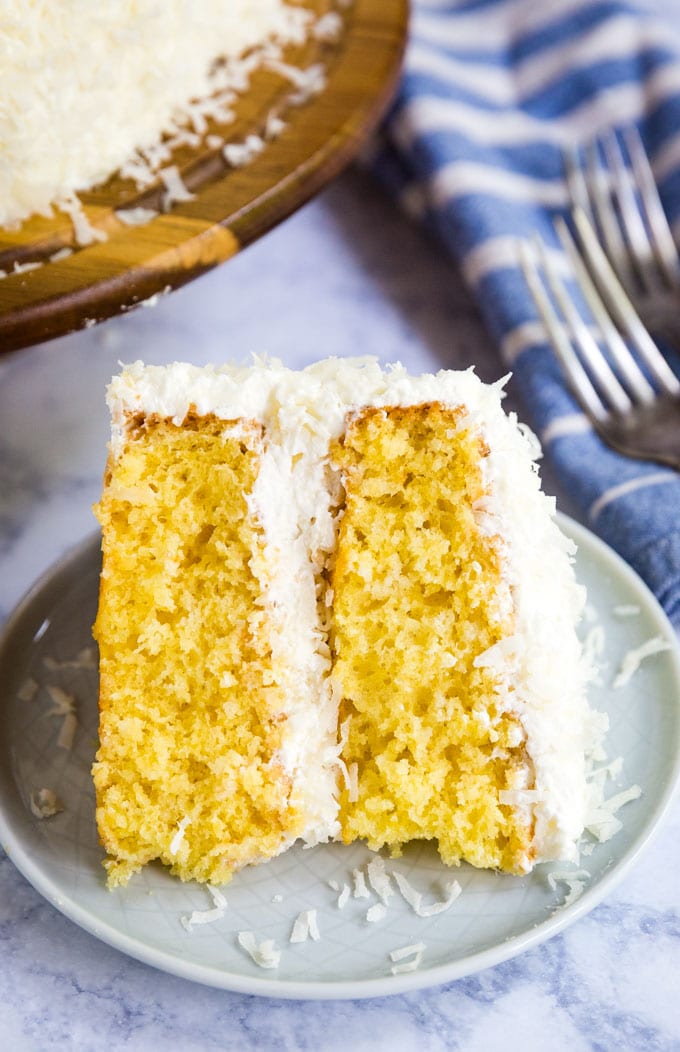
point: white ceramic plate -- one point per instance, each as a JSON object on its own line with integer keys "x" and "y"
{"x": 495, "y": 917}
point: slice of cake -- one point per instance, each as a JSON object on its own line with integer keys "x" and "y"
{"x": 333, "y": 603}
{"x": 217, "y": 732}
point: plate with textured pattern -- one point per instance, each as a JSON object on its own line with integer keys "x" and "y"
{"x": 46, "y": 654}
{"x": 55, "y": 286}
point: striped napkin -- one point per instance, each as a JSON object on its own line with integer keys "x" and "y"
{"x": 493, "y": 91}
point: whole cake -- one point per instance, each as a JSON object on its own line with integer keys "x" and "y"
{"x": 334, "y": 604}
{"x": 86, "y": 83}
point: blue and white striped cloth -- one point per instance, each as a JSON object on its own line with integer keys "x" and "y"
{"x": 492, "y": 92}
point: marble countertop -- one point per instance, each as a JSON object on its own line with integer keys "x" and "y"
{"x": 346, "y": 275}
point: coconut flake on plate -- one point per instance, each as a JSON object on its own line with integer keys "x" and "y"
{"x": 414, "y": 951}
{"x": 634, "y": 658}
{"x": 626, "y": 610}
{"x": 379, "y": 879}
{"x": 28, "y": 690}
{"x": 602, "y": 822}
{"x": 85, "y": 658}
{"x": 264, "y": 954}
{"x": 360, "y": 889}
{"x": 63, "y": 705}
{"x": 305, "y": 927}
{"x": 343, "y": 897}
{"x": 414, "y": 898}
{"x": 206, "y": 916}
{"x": 376, "y": 913}
{"x": 575, "y": 880}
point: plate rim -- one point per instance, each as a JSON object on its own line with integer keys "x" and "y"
{"x": 352, "y": 989}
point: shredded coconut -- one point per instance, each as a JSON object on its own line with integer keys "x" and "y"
{"x": 353, "y": 782}
{"x": 84, "y": 659}
{"x": 415, "y": 951}
{"x": 83, "y": 230}
{"x": 627, "y": 610}
{"x": 207, "y": 916}
{"x": 136, "y": 216}
{"x": 328, "y": 28}
{"x": 62, "y": 253}
{"x": 575, "y": 880}
{"x": 379, "y": 879}
{"x": 308, "y": 82}
{"x": 305, "y": 927}
{"x": 265, "y": 954}
{"x": 634, "y": 658}
{"x": 175, "y": 190}
{"x": 376, "y": 912}
{"x": 28, "y": 690}
{"x": 178, "y": 838}
{"x": 343, "y": 897}
{"x": 414, "y": 898}
{"x": 64, "y": 706}
{"x": 45, "y": 803}
{"x": 602, "y": 822}
{"x": 360, "y": 889}
{"x": 239, "y": 154}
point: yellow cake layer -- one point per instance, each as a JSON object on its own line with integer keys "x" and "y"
{"x": 414, "y": 586}
{"x": 191, "y": 707}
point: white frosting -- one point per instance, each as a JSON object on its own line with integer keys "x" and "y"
{"x": 540, "y": 671}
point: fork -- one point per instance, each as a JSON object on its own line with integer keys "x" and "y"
{"x": 635, "y": 411}
{"x": 617, "y": 193}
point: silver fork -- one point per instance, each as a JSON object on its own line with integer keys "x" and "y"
{"x": 636, "y": 410}
{"x": 616, "y": 191}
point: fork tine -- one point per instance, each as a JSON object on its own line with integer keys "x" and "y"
{"x": 621, "y": 307}
{"x": 590, "y": 352}
{"x": 579, "y": 379}
{"x": 636, "y": 234}
{"x": 662, "y": 238}
{"x": 636, "y": 381}
{"x": 576, "y": 182}
{"x": 599, "y": 182}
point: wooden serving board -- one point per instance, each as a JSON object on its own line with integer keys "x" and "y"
{"x": 231, "y": 206}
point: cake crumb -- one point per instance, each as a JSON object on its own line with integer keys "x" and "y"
{"x": 45, "y": 803}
